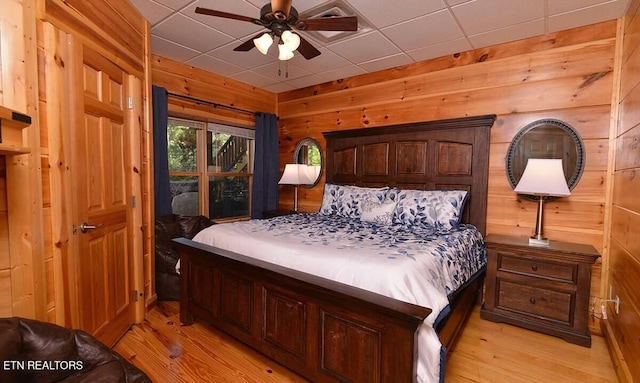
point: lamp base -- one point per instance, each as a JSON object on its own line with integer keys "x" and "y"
{"x": 533, "y": 241}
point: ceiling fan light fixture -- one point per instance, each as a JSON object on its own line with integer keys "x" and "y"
{"x": 290, "y": 40}
{"x": 284, "y": 53}
{"x": 263, "y": 43}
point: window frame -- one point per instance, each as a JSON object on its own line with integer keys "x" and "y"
{"x": 202, "y": 173}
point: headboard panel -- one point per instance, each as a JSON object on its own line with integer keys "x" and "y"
{"x": 444, "y": 154}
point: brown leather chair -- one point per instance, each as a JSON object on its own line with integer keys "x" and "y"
{"x": 39, "y": 352}
{"x": 169, "y": 227}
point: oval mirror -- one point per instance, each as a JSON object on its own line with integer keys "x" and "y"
{"x": 308, "y": 152}
{"x": 546, "y": 139}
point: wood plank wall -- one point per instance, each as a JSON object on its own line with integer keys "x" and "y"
{"x": 566, "y": 75}
{"x": 623, "y": 328}
{"x": 22, "y": 267}
{"x": 192, "y": 82}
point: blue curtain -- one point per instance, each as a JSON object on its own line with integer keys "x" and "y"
{"x": 160, "y": 152}
{"x": 266, "y": 166}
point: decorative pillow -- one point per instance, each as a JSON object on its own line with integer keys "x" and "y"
{"x": 380, "y": 213}
{"x": 345, "y": 200}
{"x": 439, "y": 209}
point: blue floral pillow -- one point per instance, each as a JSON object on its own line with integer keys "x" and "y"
{"x": 346, "y": 200}
{"x": 438, "y": 209}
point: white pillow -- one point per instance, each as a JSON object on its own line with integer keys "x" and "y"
{"x": 377, "y": 212}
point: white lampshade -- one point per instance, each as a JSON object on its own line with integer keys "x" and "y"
{"x": 543, "y": 177}
{"x": 263, "y": 43}
{"x": 290, "y": 40}
{"x": 296, "y": 174}
{"x": 284, "y": 52}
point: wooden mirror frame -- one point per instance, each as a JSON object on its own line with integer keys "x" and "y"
{"x": 298, "y": 152}
{"x": 575, "y": 148}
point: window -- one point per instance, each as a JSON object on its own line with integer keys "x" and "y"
{"x": 210, "y": 169}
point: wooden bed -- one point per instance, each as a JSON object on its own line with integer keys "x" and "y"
{"x": 325, "y": 330}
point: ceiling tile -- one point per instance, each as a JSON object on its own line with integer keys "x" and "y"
{"x": 497, "y": 36}
{"x": 305, "y": 81}
{"x": 188, "y": 32}
{"x": 439, "y": 50}
{"x": 250, "y": 77}
{"x": 281, "y": 71}
{"x": 427, "y": 30}
{"x": 279, "y": 87}
{"x": 485, "y": 15}
{"x": 174, "y": 4}
{"x": 385, "y": 13}
{"x": 340, "y": 73}
{"x": 171, "y": 50}
{"x": 212, "y": 64}
{"x": 327, "y": 60}
{"x": 364, "y": 48}
{"x": 386, "y": 62}
{"x": 244, "y": 60}
{"x": 235, "y": 28}
{"x": 588, "y": 15}
{"x": 556, "y": 7}
{"x": 152, "y": 11}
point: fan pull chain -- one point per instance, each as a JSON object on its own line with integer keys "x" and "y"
{"x": 286, "y": 69}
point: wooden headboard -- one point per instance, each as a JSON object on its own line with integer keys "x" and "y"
{"x": 444, "y": 154}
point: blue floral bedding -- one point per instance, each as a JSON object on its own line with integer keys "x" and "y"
{"x": 460, "y": 251}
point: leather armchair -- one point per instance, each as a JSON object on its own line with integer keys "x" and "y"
{"x": 169, "y": 227}
{"x": 39, "y": 352}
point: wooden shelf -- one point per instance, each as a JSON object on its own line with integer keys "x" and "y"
{"x": 14, "y": 119}
{"x": 11, "y": 122}
{"x": 6, "y": 150}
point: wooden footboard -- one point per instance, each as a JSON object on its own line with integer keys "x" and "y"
{"x": 324, "y": 330}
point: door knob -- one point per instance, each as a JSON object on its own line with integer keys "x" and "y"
{"x": 84, "y": 227}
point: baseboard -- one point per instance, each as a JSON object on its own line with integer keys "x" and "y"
{"x": 151, "y": 302}
{"x": 619, "y": 363}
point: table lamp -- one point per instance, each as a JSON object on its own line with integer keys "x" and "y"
{"x": 542, "y": 178}
{"x": 295, "y": 174}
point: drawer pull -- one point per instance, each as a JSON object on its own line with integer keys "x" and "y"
{"x": 532, "y": 301}
{"x": 534, "y": 268}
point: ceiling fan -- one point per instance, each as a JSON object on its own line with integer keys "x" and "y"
{"x": 281, "y": 18}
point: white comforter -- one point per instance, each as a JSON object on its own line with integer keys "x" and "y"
{"x": 411, "y": 265}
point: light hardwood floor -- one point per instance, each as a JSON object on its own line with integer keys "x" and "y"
{"x": 486, "y": 352}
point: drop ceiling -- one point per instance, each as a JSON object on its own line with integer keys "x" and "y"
{"x": 391, "y": 34}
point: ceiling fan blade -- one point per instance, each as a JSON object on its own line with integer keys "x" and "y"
{"x": 307, "y": 50}
{"x": 281, "y": 6}
{"x": 247, "y": 45}
{"x": 348, "y": 23}
{"x": 211, "y": 12}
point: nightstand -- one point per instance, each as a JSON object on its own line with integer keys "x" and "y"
{"x": 544, "y": 289}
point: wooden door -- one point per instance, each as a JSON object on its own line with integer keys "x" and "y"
{"x": 100, "y": 161}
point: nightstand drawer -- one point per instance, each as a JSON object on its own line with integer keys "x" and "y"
{"x": 535, "y": 267}
{"x": 550, "y": 304}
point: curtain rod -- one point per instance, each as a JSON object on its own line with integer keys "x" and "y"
{"x": 214, "y": 104}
